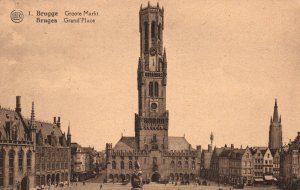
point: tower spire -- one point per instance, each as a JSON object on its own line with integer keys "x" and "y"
{"x": 32, "y": 118}
{"x": 275, "y": 114}
{"x": 69, "y": 132}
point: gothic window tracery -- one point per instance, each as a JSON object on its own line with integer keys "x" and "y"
{"x": 114, "y": 165}
{"x": 159, "y": 31}
{"x": 156, "y": 89}
{"x": 28, "y": 160}
{"x": 151, "y": 89}
{"x": 153, "y": 29}
{"x": 146, "y": 28}
{"x": 20, "y": 160}
{"x": 11, "y": 166}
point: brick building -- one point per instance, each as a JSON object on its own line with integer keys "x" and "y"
{"x": 31, "y": 151}
{"x": 162, "y": 158}
{"x": 84, "y": 162}
{"x": 290, "y": 164}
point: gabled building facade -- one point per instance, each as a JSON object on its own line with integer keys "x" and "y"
{"x": 33, "y": 153}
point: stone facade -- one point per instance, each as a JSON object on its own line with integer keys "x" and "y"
{"x": 31, "y": 151}
{"x": 84, "y": 162}
{"x": 290, "y": 164}
{"x": 161, "y": 157}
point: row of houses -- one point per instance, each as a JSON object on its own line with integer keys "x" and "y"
{"x": 36, "y": 154}
{"x": 86, "y": 162}
{"x": 240, "y": 165}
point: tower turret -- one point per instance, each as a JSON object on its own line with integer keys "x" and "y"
{"x": 69, "y": 136}
{"x": 32, "y": 127}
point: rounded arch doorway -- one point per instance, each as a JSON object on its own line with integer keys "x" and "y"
{"x": 155, "y": 177}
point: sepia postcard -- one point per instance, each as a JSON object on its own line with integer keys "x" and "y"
{"x": 136, "y": 94}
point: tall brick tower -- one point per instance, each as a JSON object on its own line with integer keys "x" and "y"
{"x": 275, "y": 131}
{"x": 151, "y": 122}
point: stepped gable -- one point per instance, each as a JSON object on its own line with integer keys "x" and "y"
{"x": 7, "y": 115}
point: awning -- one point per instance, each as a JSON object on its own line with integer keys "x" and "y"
{"x": 269, "y": 178}
{"x": 258, "y": 179}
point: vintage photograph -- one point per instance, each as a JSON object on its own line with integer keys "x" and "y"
{"x": 152, "y": 95}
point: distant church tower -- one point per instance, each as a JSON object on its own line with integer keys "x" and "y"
{"x": 151, "y": 122}
{"x": 275, "y": 131}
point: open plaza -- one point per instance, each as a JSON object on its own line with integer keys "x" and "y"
{"x": 155, "y": 186}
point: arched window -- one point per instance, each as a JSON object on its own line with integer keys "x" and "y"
{"x": 14, "y": 133}
{"x": 153, "y": 29}
{"x": 159, "y": 31}
{"x": 172, "y": 164}
{"x": 186, "y": 165}
{"x": 122, "y": 164}
{"x": 114, "y": 165}
{"x": 151, "y": 89}
{"x": 130, "y": 165}
{"x": 179, "y": 165}
{"x": 11, "y": 165}
{"x": 20, "y": 160}
{"x": 2, "y": 156}
{"x": 156, "y": 89}
{"x": 193, "y": 165}
{"x": 146, "y": 37}
{"x": 28, "y": 156}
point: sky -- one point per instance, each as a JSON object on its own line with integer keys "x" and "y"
{"x": 227, "y": 62}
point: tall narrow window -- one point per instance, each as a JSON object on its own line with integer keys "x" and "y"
{"x": 11, "y": 167}
{"x": 153, "y": 29}
{"x": 159, "y": 31}
{"x": 146, "y": 37}
{"x": 28, "y": 156}
{"x": 122, "y": 165}
{"x": 130, "y": 165}
{"x": 172, "y": 164}
{"x": 114, "y": 165}
{"x": 151, "y": 89}
{"x": 20, "y": 160}
{"x": 2, "y": 155}
{"x": 156, "y": 89}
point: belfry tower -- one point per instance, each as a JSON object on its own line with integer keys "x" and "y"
{"x": 151, "y": 122}
{"x": 275, "y": 131}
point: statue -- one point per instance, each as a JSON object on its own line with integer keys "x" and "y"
{"x": 136, "y": 178}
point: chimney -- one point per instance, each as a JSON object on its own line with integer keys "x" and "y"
{"x": 232, "y": 146}
{"x": 18, "y": 104}
{"x": 58, "y": 122}
{"x": 54, "y": 120}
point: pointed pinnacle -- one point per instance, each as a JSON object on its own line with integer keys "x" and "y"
{"x": 69, "y": 131}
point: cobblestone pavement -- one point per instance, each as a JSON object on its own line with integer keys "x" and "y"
{"x": 96, "y": 186}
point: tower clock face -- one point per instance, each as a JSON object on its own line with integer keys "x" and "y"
{"x": 153, "y": 106}
{"x": 153, "y": 51}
